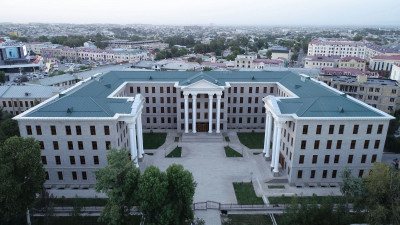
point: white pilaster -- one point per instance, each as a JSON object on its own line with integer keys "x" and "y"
{"x": 132, "y": 137}
{"x": 140, "y": 135}
{"x": 267, "y": 138}
{"x": 186, "y": 113}
{"x": 218, "y": 112}
{"x": 194, "y": 112}
{"x": 277, "y": 146}
{"x": 273, "y": 145}
{"x": 210, "y": 106}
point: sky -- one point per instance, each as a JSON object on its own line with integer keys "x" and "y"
{"x": 201, "y": 12}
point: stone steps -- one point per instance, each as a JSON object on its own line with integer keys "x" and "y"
{"x": 202, "y": 137}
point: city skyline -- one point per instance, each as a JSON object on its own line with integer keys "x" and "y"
{"x": 179, "y": 12}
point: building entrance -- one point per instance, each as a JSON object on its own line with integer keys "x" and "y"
{"x": 201, "y": 127}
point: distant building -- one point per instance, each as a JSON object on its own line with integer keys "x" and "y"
{"x": 65, "y": 80}
{"x": 146, "y": 45}
{"x": 352, "y": 62}
{"x": 395, "y": 75}
{"x": 382, "y": 94}
{"x": 383, "y": 62}
{"x": 317, "y": 62}
{"x": 18, "y": 99}
{"x": 280, "y": 53}
{"x": 347, "y": 72}
{"x": 14, "y": 58}
{"x": 251, "y": 62}
{"x": 89, "y": 44}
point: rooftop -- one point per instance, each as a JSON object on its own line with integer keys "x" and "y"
{"x": 388, "y": 57}
{"x": 353, "y": 80}
{"x": 28, "y": 91}
{"x": 90, "y": 98}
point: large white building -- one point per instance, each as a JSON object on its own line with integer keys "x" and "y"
{"x": 312, "y": 131}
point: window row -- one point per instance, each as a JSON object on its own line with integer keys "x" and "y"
{"x": 324, "y": 174}
{"x": 74, "y": 175}
{"x": 366, "y": 144}
{"x": 254, "y": 120}
{"x": 153, "y": 90}
{"x": 21, "y": 103}
{"x": 72, "y": 160}
{"x": 341, "y": 129}
{"x": 68, "y": 130}
{"x": 79, "y": 145}
{"x": 336, "y": 159}
{"x": 250, "y": 90}
{"x": 249, "y": 110}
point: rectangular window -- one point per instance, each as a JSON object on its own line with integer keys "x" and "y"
{"x": 314, "y": 159}
{"x": 326, "y": 161}
{"x": 373, "y": 159}
{"x": 319, "y": 128}
{"x": 334, "y": 172}
{"x": 380, "y": 128}
{"x": 138, "y": 89}
{"x": 300, "y": 174}
{"x": 44, "y": 160}
{"x": 108, "y": 145}
{"x": 106, "y": 130}
{"x": 72, "y": 160}
{"x": 55, "y": 145}
{"x": 68, "y": 130}
{"x": 363, "y": 158}
{"x": 153, "y": 89}
{"x": 353, "y": 144}
{"x": 58, "y": 160}
{"x": 303, "y": 144}
{"x": 355, "y": 129}
{"x": 324, "y": 173}
{"x": 316, "y": 144}
{"x": 41, "y": 143}
{"x": 94, "y": 145}
{"x": 29, "y": 130}
{"x": 360, "y": 174}
{"x": 341, "y": 129}
{"x": 301, "y": 159}
{"x": 80, "y": 145}
{"x": 350, "y": 159}
{"x": 92, "y": 130}
{"x": 312, "y": 175}
{"x": 376, "y": 145}
{"x": 60, "y": 175}
{"x": 339, "y": 144}
{"x": 53, "y": 130}
{"x": 70, "y": 145}
{"x": 271, "y": 90}
{"x": 366, "y": 144}
{"x": 329, "y": 144}
{"x": 47, "y": 175}
{"x": 305, "y": 129}
{"x": 336, "y": 159}
{"x": 96, "y": 160}
{"x": 84, "y": 175}
{"x": 82, "y": 159}
{"x": 74, "y": 176}
{"x": 331, "y": 129}
{"x": 369, "y": 129}
{"x": 38, "y": 130}
{"x": 78, "y": 130}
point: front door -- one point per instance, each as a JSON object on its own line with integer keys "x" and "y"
{"x": 201, "y": 127}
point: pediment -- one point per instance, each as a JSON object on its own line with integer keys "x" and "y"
{"x": 202, "y": 85}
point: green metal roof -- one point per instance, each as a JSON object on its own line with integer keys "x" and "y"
{"x": 90, "y": 99}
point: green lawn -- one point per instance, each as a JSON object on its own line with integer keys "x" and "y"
{"x": 176, "y": 153}
{"x": 153, "y": 140}
{"x": 307, "y": 199}
{"x": 81, "y": 220}
{"x": 237, "y": 219}
{"x": 256, "y": 153}
{"x": 230, "y": 152}
{"x": 245, "y": 194}
{"x": 252, "y": 140}
{"x": 276, "y": 186}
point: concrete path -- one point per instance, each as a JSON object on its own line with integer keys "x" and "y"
{"x": 210, "y": 217}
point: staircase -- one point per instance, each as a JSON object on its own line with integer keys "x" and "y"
{"x": 202, "y": 137}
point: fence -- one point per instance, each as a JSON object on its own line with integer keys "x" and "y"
{"x": 219, "y": 206}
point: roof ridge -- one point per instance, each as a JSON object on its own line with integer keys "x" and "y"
{"x": 90, "y": 97}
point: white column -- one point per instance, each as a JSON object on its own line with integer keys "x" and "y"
{"x": 218, "y": 112}
{"x": 132, "y": 138}
{"x": 267, "y": 137}
{"x": 140, "y": 136}
{"x": 210, "y": 106}
{"x": 186, "y": 113}
{"x": 194, "y": 112}
{"x": 278, "y": 146}
{"x": 273, "y": 145}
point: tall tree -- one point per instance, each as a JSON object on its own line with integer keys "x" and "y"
{"x": 119, "y": 180}
{"x": 2, "y": 77}
{"x": 382, "y": 196}
{"x": 181, "y": 188}
{"x": 22, "y": 176}
{"x": 351, "y": 187}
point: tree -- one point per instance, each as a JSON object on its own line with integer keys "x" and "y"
{"x": 181, "y": 188}
{"x": 382, "y": 195}
{"x": 351, "y": 187}
{"x": 101, "y": 44}
{"x": 153, "y": 192}
{"x": 24, "y": 79}
{"x": 22, "y": 176}
{"x": 199, "y": 60}
{"x": 119, "y": 180}
{"x": 2, "y": 77}
{"x": 295, "y": 56}
{"x": 269, "y": 54}
{"x": 207, "y": 69}
{"x": 42, "y": 39}
{"x": 357, "y": 37}
{"x": 8, "y": 128}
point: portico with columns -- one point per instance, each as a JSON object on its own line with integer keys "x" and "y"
{"x": 275, "y": 122}
{"x": 198, "y": 94}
